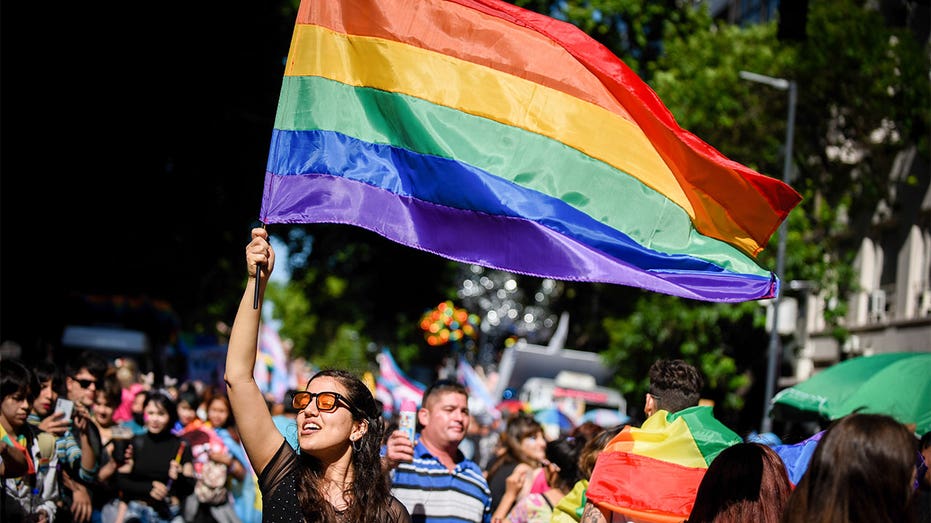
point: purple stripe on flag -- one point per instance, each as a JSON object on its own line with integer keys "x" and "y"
{"x": 450, "y": 183}
{"x": 491, "y": 241}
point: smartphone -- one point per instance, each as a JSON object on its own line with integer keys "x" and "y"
{"x": 66, "y": 406}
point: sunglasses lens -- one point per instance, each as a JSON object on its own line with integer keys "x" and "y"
{"x": 326, "y": 401}
{"x": 300, "y": 400}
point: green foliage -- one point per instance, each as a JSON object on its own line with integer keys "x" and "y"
{"x": 293, "y": 308}
{"x": 350, "y": 288}
{"x": 855, "y": 75}
{"x": 713, "y": 337}
{"x": 348, "y": 349}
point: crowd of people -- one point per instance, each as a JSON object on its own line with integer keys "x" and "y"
{"x": 93, "y": 442}
{"x": 98, "y": 447}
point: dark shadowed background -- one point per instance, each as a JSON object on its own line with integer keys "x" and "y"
{"x": 134, "y": 140}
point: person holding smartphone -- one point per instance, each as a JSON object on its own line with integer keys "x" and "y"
{"x": 454, "y": 484}
{"x": 80, "y": 449}
{"x": 45, "y": 413}
{"x": 53, "y": 414}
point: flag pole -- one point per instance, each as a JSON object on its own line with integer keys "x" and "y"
{"x": 258, "y": 278}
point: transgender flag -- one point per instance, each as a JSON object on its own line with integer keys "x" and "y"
{"x": 271, "y": 366}
{"x": 479, "y": 396}
{"x": 399, "y": 387}
{"x": 493, "y": 135}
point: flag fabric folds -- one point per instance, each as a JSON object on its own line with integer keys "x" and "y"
{"x": 652, "y": 473}
{"x": 271, "y": 369}
{"x": 490, "y": 134}
{"x": 797, "y": 456}
{"x": 480, "y": 398}
{"x": 392, "y": 384}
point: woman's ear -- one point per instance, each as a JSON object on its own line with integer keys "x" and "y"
{"x": 359, "y": 431}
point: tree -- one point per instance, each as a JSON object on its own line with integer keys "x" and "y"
{"x": 352, "y": 290}
{"x": 862, "y": 88}
{"x": 867, "y": 97}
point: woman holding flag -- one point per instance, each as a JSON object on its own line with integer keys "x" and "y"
{"x": 337, "y": 474}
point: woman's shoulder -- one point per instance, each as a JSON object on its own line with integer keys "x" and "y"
{"x": 398, "y": 512}
{"x": 283, "y": 464}
{"x": 523, "y": 467}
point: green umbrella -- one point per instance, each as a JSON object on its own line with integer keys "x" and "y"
{"x": 896, "y": 383}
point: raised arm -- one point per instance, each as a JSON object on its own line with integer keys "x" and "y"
{"x": 259, "y": 436}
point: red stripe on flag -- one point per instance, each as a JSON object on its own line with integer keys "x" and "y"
{"x": 622, "y": 480}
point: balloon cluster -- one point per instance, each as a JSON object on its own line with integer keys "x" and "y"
{"x": 447, "y": 323}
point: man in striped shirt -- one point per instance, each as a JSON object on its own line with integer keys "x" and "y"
{"x": 432, "y": 478}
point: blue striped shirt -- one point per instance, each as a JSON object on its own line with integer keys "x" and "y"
{"x": 434, "y": 494}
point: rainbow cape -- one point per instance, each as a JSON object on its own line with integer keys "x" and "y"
{"x": 652, "y": 473}
{"x": 493, "y": 135}
{"x": 19, "y": 443}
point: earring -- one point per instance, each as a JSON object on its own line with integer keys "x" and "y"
{"x": 357, "y": 445}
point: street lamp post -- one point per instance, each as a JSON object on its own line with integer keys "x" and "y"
{"x": 775, "y": 352}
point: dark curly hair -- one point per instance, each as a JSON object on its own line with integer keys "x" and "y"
{"x": 675, "y": 385}
{"x": 370, "y": 494}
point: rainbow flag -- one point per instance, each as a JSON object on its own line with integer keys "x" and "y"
{"x": 493, "y": 135}
{"x": 652, "y": 473}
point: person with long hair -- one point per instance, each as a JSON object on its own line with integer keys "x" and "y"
{"x": 158, "y": 472}
{"x": 562, "y": 472}
{"x": 521, "y": 454}
{"x": 746, "y": 482}
{"x": 336, "y": 476}
{"x": 569, "y": 509}
{"x": 114, "y": 440}
{"x": 861, "y": 471}
{"x": 214, "y": 463}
